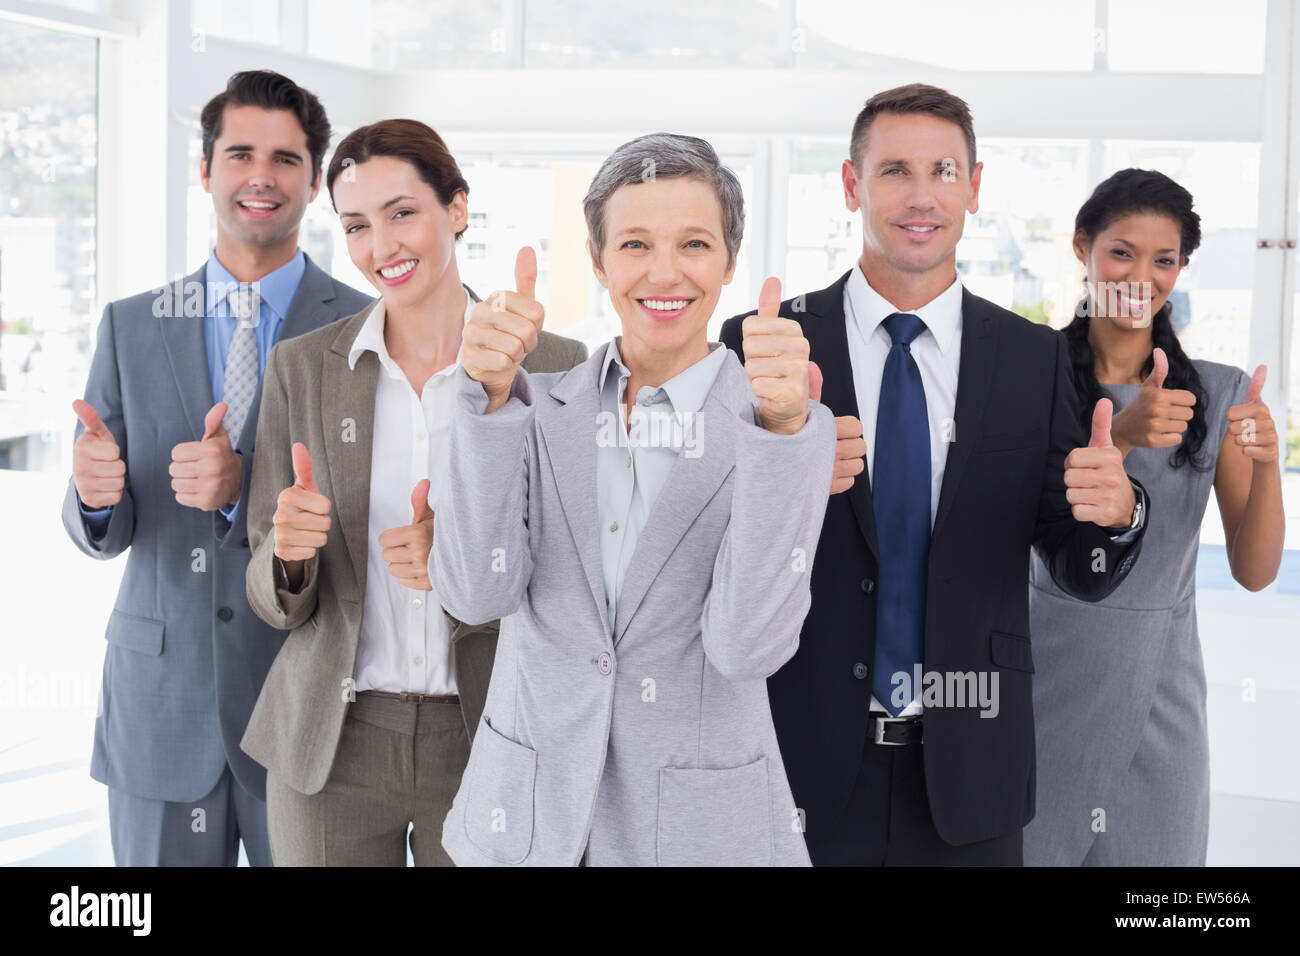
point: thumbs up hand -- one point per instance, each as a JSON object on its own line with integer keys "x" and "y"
{"x": 1251, "y": 424}
{"x": 1095, "y": 483}
{"x": 502, "y": 330}
{"x": 776, "y": 361}
{"x": 301, "y": 522}
{"x": 98, "y": 471}
{"x": 207, "y": 473}
{"x": 406, "y": 549}
{"x": 1157, "y": 416}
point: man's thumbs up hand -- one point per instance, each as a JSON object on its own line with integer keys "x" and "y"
{"x": 98, "y": 471}
{"x": 207, "y": 473}
{"x": 776, "y": 361}
{"x": 502, "y": 330}
{"x": 406, "y": 549}
{"x": 1095, "y": 483}
{"x": 301, "y": 522}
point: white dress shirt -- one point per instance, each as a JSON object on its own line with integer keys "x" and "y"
{"x": 631, "y": 471}
{"x": 405, "y": 637}
{"x": 937, "y": 351}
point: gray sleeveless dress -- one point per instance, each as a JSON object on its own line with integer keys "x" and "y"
{"x": 1119, "y": 686}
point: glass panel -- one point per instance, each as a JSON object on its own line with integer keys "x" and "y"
{"x": 247, "y": 21}
{"x": 396, "y": 35}
{"x": 749, "y": 34}
{"x": 47, "y": 239}
{"x": 1196, "y": 36}
{"x": 949, "y": 34}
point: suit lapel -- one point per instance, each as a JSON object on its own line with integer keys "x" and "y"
{"x": 690, "y": 484}
{"x": 347, "y": 421}
{"x": 826, "y": 330}
{"x": 186, "y": 346}
{"x": 570, "y": 437}
{"x": 978, "y": 352}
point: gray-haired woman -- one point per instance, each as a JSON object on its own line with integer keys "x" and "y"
{"x": 645, "y": 525}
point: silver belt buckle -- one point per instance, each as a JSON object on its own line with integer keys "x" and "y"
{"x": 880, "y": 730}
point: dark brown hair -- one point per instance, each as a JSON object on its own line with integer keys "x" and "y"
{"x": 270, "y": 91}
{"x": 910, "y": 100}
{"x": 405, "y": 139}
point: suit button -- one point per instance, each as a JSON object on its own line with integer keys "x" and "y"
{"x": 868, "y": 585}
{"x": 243, "y": 542}
{"x": 225, "y": 614}
{"x": 604, "y": 663}
{"x": 860, "y": 670}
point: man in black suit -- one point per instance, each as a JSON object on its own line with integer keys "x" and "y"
{"x": 905, "y": 717}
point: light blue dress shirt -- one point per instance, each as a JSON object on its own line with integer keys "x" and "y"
{"x": 636, "y": 452}
{"x": 276, "y": 291}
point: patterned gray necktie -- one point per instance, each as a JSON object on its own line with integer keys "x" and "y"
{"x": 241, "y": 361}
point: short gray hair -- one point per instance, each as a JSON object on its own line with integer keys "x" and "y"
{"x": 665, "y": 156}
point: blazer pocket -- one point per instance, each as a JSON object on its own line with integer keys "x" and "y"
{"x": 499, "y": 796}
{"x": 715, "y": 817}
{"x": 143, "y": 634}
{"x": 1011, "y": 650}
{"x": 1009, "y": 441}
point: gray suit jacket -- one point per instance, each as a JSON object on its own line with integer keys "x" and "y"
{"x": 655, "y": 745}
{"x": 186, "y": 656}
{"x": 314, "y": 398}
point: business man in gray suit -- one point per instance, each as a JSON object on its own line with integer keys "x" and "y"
{"x": 161, "y": 466}
{"x": 648, "y": 522}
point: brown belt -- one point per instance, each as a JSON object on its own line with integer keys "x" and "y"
{"x": 406, "y": 697}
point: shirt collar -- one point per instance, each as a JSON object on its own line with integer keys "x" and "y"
{"x": 276, "y": 288}
{"x": 371, "y": 338}
{"x": 941, "y": 315}
{"x": 688, "y": 389}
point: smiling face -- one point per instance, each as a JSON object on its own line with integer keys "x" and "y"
{"x": 1132, "y": 266}
{"x": 398, "y": 233}
{"x": 664, "y": 264}
{"x": 914, "y": 189}
{"x": 260, "y": 177}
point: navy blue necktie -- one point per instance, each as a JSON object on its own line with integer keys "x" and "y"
{"x": 900, "y": 497}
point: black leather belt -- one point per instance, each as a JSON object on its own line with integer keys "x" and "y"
{"x": 895, "y": 731}
{"x": 406, "y": 697}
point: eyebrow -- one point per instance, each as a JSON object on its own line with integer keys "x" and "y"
{"x": 1134, "y": 248}
{"x": 938, "y": 164}
{"x": 641, "y": 230}
{"x": 392, "y": 202}
{"x": 275, "y": 152}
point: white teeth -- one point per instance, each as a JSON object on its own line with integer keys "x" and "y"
{"x": 665, "y": 305}
{"x": 400, "y": 270}
{"x": 251, "y": 204}
{"x": 920, "y": 228}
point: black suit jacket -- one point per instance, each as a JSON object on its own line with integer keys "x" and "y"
{"x": 1017, "y": 417}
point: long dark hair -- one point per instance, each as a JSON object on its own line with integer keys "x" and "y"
{"x": 1141, "y": 191}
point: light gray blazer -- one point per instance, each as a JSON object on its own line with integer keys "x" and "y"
{"x": 185, "y": 656}
{"x": 655, "y": 746}
{"x": 312, "y": 396}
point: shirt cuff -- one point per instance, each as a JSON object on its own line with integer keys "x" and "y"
{"x": 1129, "y": 535}
{"x": 96, "y": 519}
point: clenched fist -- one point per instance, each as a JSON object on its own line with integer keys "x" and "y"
{"x": 502, "y": 330}
{"x": 97, "y": 467}
{"x": 776, "y": 361}
{"x": 1157, "y": 417}
{"x": 207, "y": 473}
{"x": 301, "y": 522}
{"x": 406, "y": 549}
{"x": 1095, "y": 483}
{"x": 1251, "y": 425}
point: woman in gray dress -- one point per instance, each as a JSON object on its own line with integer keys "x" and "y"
{"x": 1119, "y": 693}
